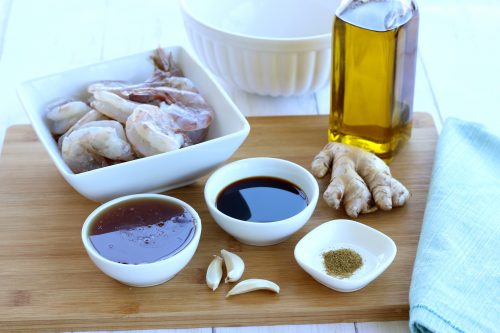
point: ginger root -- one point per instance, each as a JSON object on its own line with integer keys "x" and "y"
{"x": 360, "y": 180}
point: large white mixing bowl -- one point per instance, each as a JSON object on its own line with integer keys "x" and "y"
{"x": 268, "y": 47}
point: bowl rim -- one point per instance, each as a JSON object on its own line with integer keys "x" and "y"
{"x": 347, "y": 283}
{"x": 55, "y": 155}
{"x": 311, "y": 204}
{"x": 131, "y": 197}
{"x": 253, "y": 38}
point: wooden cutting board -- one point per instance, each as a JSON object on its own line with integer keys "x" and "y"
{"x": 47, "y": 282}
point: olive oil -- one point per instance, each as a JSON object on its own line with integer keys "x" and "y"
{"x": 374, "y": 54}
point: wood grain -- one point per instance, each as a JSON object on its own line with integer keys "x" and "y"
{"x": 48, "y": 283}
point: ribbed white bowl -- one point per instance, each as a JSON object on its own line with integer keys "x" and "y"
{"x": 267, "y": 47}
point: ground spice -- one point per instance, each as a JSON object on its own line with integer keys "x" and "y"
{"x": 342, "y": 263}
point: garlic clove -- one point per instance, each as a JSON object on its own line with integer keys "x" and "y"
{"x": 214, "y": 273}
{"x": 249, "y": 285}
{"x": 234, "y": 266}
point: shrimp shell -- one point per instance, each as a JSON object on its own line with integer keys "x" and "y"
{"x": 64, "y": 115}
{"x": 191, "y": 111}
{"x": 123, "y": 89}
{"x": 92, "y": 147}
{"x": 151, "y": 131}
{"x": 90, "y": 116}
{"x": 112, "y": 105}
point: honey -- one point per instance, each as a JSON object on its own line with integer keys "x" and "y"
{"x": 374, "y": 54}
{"x": 142, "y": 231}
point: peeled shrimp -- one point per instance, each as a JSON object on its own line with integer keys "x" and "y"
{"x": 94, "y": 145}
{"x": 112, "y": 105}
{"x": 65, "y": 114}
{"x": 151, "y": 131}
{"x": 92, "y": 115}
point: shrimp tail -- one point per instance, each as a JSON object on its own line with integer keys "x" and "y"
{"x": 165, "y": 62}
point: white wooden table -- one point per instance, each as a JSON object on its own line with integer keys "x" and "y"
{"x": 42, "y": 37}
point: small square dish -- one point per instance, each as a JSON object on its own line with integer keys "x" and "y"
{"x": 151, "y": 174}
{"x": 376, "y": 249}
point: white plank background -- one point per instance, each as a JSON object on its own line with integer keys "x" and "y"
{"x": 321, "y": 328}
{"x": 457, "y": 71}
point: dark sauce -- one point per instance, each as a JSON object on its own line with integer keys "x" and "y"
{"x": 261, "y": 199}
{"x": 142, "y": 231}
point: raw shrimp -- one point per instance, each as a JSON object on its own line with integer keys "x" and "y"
{"x": 112, "y": 105}
{"x": 161, "y": 79}
{"x": 190, "y": 112}
{"x": 171, "y": 96}
{"x": 120, "y": 131}
{"x": 91, "y": 147}
{"x": 92, "y": 115}
{"x": 150, "y": 131}
{"x": 175, "y": 115}
{"x": 166, "y": 74}
{"x": 194, "y": 125}
{"x": 108, "y": 85}
{"x": 65, "y": 114}
{"x": 123, "y": 89}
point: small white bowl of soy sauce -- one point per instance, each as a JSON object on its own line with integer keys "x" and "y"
{"x": 142, "y": 240}
{"x": 261, "y": 201}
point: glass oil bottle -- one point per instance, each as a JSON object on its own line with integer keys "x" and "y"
{"x": 374, "y": 53}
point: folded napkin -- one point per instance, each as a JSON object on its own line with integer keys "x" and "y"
{"x": 455, "y": 284}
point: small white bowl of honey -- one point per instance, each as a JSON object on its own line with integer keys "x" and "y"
{"x": 261, "y": 201}
{"x": 142, "y": 240}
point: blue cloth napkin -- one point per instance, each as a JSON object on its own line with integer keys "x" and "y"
{"x": 455, "y": 284}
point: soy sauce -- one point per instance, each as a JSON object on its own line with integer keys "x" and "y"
{"x": 261, "y": 199}
{"x": 142, "y": 231}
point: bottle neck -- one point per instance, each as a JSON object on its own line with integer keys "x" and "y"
{"x": 377, "y": 15}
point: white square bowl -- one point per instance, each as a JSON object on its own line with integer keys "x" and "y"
{"x": 152, "y": 174}
{"x": 375, "y": 248}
